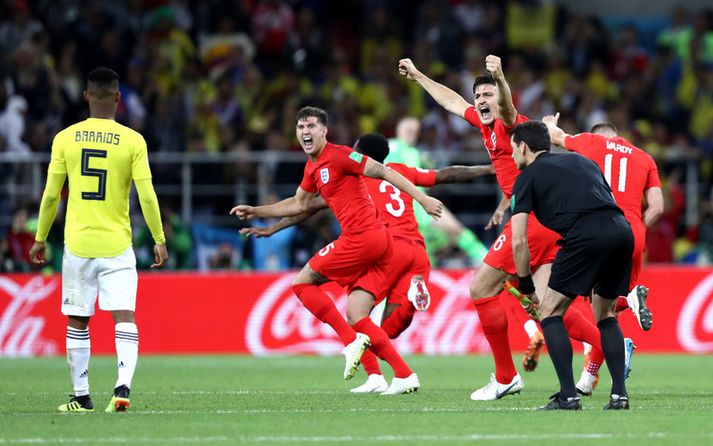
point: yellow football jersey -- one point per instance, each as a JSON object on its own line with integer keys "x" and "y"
{"x": 100, "y": 158}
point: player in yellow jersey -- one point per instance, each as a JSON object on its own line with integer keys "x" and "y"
{"x": 100, "y": 157}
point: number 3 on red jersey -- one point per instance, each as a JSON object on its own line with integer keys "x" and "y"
{"x": 397, "y": 209}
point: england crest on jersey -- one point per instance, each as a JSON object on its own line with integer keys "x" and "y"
{"x": 494, "y": 139}
{"x": 324, "y": 174}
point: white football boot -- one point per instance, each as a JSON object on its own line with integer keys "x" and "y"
{"x": 586, "y": 383}
{"x": 418, "y": 294}
{"x": 352, "y": 353}
{"x": 374, "y": 384}
{"x": 400, "y": 386}
{"x": 495, "y": 390}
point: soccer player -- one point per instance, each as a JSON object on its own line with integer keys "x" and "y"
{"x": 633, "y": 176}
{"x": 568, "y": 194}
{"x": 360, "y": 257}
{"x": 100, "y": 157}
{"x": 410, "y": 267}
{"x": 495, "y": 115}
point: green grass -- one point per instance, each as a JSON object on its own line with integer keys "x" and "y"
{"x": 206, "y": 400}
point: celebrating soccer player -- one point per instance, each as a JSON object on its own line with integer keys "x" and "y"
{"x": 359, "y": 259}
{"x": 495, "y": 115}
{"x": 101, "y": 158}
{"x": 410, "y": 267}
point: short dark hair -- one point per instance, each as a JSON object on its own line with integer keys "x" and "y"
{"x": 373, "y": 145}
{"x": 603, "y": 126}
{"x": 316, "y": 112}
{"x": 103, "y": 77}
{"x": 534, "y": 134}
{"x": 483, "y": 79}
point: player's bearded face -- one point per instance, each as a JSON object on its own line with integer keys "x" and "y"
{"x": 311, "y": 134}
{"x": 486, "y": 103}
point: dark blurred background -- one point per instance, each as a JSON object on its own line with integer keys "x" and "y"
{"x": 214, "y": 87}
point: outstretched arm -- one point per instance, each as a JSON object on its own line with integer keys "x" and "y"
{"x": 286, "y": 208}
{"x": 557, "y": 135}
{"x": 316, "y": 205}
{"x": 375, "y": 169}
{"x": 462, "y": 174}
{"x": 446, "y": 98}
{"x": 506, "y": 108}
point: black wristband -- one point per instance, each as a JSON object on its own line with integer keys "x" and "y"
{"x": 526, "y": 285}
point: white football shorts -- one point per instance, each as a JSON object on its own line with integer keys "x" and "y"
{"x": 112, "y": 279}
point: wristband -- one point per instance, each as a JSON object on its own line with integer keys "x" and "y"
{"x": 525, "y": 284}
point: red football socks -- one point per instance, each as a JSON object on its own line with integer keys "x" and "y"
{"x": 582, "y": 329}
{"x": 495, "y": 327}
{"x": 398, "y": 321}
{"x": 370, "y": 363}
{"x": 382, "y": 347}
{"x": 322, "y": 307}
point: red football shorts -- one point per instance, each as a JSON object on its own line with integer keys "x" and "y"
{"x": 357, "y": 261}
{"x": 410, "y": 259}
{"x": 541, "y": 241}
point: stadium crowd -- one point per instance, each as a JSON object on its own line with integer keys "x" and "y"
{"x": 215, "y": 76}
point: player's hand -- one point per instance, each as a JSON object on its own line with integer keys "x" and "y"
{"x": 496, "y": 219}
{"x": 243, "y": 211}
{"x": 160, "y": 255}
{"x": 551, "y": 120}
{"x": 258, "y": 231}
{"x": 433, "y": 207}
{"x": 408, "y": 69}
{"x": 38, "y": 253}
{"x": 494, "y": 66}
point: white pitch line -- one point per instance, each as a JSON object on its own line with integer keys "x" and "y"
{"x": 37, "y": 440}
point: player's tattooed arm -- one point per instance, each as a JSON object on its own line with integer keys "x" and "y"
{"x": 375, "y": 169}
{"x": 316, "y": 205}
{"x": 506, "y": 108}
{"x": 462, "y": 174}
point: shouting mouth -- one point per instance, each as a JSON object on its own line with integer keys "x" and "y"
{"x": 485, "y": 112}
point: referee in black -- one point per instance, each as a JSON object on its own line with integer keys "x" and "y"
{"x": 569, "y": 195}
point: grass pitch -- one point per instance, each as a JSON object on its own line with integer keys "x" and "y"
{"x": 217, "y": 400}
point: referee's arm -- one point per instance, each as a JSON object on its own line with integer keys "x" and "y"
{"x": 520, "y": 250}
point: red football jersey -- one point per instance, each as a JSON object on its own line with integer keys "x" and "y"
{"x": 396, "y": 207}
{"x": 628, "y": 169}
{"x": 337, "y": 177}
{"x": 497, "y": 142}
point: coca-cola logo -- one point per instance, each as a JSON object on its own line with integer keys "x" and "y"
{"x": 279, "y": 324}
{"x": 20, "y": 332}
{"x": 695, "y": 322}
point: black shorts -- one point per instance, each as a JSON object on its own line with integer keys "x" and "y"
{"x": 595, "y": 256}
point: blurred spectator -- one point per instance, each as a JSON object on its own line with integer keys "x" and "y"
{"x": 214, "y": 77}
{"x": 19, "y": 240}
{"x": 178, "y": 242}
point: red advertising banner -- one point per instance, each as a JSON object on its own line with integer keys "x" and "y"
{"x": 258, "y": 314}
